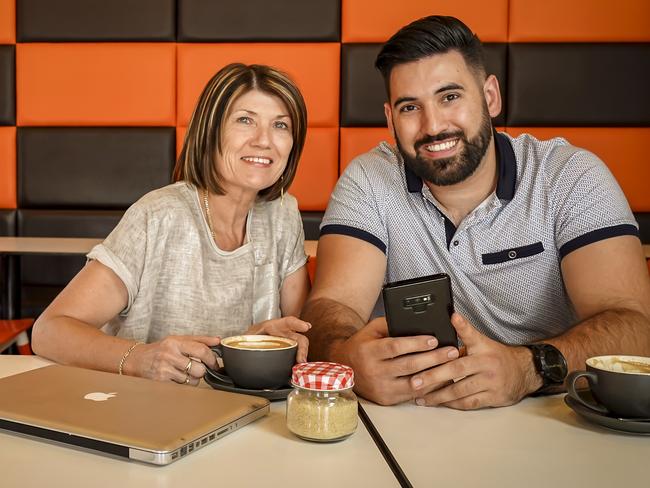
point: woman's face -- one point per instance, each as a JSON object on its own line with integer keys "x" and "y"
{"x": 256, "y": 142}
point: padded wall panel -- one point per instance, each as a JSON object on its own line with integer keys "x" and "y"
{"x": 7, "y": 22}
{"x": 91, "y": 167}
{"x": 362, "y": 86}
{"x": 644, "y": 226}
{"x": 7, "y": 222}
{"x": 358, "y": 140}
{"x": 579, "y": 21}
{"x": 7, "y": 85}
{"x": 311, "y": 223}
{"x": 58, "y": 270}
{"x": 96, "y": 84}
{"x": 317, "y": 170}
{"x": 314, "y": 68}
{"x": 563, "y": 84}
{"x": 624, "y": 150}
{"x": 95, "y": 20}
{"x": 258, "y": 20}
{"x": 8, "y": 167}
{"x": 377, "y": 20}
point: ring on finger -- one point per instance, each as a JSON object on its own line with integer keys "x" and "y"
{"x": 188, "y": 367}
{"x": 187, "y": 379}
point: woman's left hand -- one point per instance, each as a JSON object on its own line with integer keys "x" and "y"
{"x": 290, "y": 327}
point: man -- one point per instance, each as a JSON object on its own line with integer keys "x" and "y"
{"x": 537, "y": 237}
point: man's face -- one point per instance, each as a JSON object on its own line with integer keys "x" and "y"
{"x": 440, "y": 115}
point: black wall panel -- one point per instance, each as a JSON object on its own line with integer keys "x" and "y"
{"x": 95, "y": 20}
{"x": 578, "y": 84}
{"x": 362, "y": 87}
{"x": 7, "y": 222}
{"x": 259, "y": 20}
{"x": 91, "y": 167}
{"x": 59, "y": 270}
{"x": 644, "y": 226}
{"x": 311, "y": 223}
{"x": 7, "y": 85}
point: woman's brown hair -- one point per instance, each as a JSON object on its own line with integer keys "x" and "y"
{"x": 196, "y": 162}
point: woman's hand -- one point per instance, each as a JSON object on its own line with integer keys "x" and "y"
{"x": 182, "y": 359}
{"x": 290, "y": 327}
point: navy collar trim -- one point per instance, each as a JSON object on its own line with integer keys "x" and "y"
{"x": 506, "y": 163}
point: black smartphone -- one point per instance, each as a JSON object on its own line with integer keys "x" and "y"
{"x": 421, "y": 306}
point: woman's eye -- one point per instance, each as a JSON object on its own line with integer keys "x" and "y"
{"x": 281, "y": 125}
{"x": 244, "y": 120}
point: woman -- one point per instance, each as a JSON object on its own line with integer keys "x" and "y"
{"x": 218, "y": 253}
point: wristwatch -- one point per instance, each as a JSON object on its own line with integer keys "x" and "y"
{"x": 550, "y": 365}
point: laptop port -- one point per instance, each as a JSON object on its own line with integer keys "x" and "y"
{"x": 204, "y": 440}
{"x": 183, "y": 450}
{"x": 211, "y": 437}
{"x": 174, "y": 455}
{"x": 191, "y": 447}
{"x": 223, "y": 431}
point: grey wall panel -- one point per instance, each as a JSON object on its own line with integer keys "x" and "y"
{"x": 7, "y": 85}
{"x": 95, "y": 20}
{"x": 643, "y": 218}
{"x": 59, "y": 270}
{"x": 362, "y": 87}
{"x": 593, "y": 84}
{"x": 311, "y": 223}
{"x": 259, "y": 20}
{"x": 7, "y": 222}
{"x": 91, "y": 167}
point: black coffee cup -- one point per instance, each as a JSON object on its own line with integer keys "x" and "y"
{"x": 256, "y": 362}
{"x": 620, "y": 384}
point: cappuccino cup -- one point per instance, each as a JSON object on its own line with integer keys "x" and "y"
{"x": 620, "y": 385}
{"x": 256, "y": 362}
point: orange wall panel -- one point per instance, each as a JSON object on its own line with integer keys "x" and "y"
{"x": 358, "y": 140}
{"x": 624, "y": 151}
{"x": 579, "y": 21}
{"x": 7, "y": 167}
{"x": 377, "y": 20}
{"x": 7, "y": 21}
{"x": 314, "y": 68}
{"x": 123, "y": 84}
{"x": 317, "y": 170}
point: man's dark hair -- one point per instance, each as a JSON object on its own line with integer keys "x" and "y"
{"x": 425, "y": 37}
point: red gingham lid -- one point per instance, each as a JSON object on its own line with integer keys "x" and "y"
{"x": 322, "y": 376}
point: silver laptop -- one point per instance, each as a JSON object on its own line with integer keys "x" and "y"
{"x": 129, "y": 417}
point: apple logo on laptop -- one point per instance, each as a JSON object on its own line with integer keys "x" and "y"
{"x": 98, "y": 396}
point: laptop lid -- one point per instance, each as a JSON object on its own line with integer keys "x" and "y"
{"x": 130, "y": 417}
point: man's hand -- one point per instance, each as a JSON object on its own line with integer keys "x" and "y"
{"x": 383, "y": 365}
{"x": 490, "y": 375}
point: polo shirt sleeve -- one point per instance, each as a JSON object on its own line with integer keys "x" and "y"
{"x": 356, "y": 205}
{"x": 587, "y": 203}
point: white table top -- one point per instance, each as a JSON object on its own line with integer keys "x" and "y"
{"x": 72, "y": 245}
{"x": 539, "y": 442}
{"x": 263, "y": 453}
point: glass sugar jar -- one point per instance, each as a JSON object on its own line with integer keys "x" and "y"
{"x": 322, "y": 406}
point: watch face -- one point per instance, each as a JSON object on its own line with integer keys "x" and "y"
{"x": 554, "y": 364}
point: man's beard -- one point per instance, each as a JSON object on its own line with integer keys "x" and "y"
{"x": 449, "y": 171}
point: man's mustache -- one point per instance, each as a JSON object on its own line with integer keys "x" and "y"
{"x": 439, "y": 137}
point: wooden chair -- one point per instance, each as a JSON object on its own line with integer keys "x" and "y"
{"x": 15, "y": 331}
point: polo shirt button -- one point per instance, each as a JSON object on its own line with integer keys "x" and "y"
{"x": 512, "y": 254}
{"x": 455, "y": 243}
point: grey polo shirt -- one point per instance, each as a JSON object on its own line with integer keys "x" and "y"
{"x": 504, "y": 257}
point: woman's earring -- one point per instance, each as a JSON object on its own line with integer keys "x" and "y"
{"x": 282, "y": 190}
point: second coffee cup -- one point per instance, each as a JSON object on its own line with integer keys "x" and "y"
{"x": 257, "y": 362}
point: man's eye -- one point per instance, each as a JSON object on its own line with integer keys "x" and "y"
{"x": 281, "y": 125}
{"x": 450, "y": 97}
{"x": 407, "y": 108}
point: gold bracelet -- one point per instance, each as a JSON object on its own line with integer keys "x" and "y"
{"x": 126, "y": 355}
